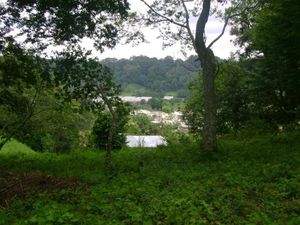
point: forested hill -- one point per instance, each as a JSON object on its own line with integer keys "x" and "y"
{"x": 141, "y": 75}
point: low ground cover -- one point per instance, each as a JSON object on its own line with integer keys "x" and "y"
{"x": 250, "y": 181}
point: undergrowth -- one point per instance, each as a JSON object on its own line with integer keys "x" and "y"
{"x": 249, "y": 181}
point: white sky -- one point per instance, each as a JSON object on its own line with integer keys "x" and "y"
{"x": 222, "y": 48}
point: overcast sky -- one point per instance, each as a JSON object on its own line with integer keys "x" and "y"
{"x": 222, "y": 48}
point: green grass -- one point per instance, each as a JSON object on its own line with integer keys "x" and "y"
{"x": 133, "y": 89}
{"x": 171, "y": 93}
{"x": 250, "y": 181}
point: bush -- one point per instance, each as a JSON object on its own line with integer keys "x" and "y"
{"x": 102, "y": 127}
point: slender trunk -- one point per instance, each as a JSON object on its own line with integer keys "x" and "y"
{"x": 108, "y": 155}
{"x": 108, "y": 161}
{"x": 209, "y": 124}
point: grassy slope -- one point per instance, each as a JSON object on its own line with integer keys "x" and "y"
{"x": 133, "y": 90}
{"x": 15, "y": 147}
{"x": 251, "y": 181}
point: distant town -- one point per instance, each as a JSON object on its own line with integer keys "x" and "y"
{"x": 136, "y": 99}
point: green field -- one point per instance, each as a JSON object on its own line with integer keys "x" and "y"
{"x": 250, "y": 181}
{"x": 134, "y": 90}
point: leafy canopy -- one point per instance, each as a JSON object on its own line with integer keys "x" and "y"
{"x": 64, "y": 22}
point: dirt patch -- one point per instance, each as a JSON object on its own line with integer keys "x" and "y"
{"x": 15, "y": 186}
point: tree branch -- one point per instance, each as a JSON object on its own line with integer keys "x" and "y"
{"x": 226, "y": 23}
{"x": 157, "y": 20}
{"x": 221, "y": 34}
{"x": 187, "y": 19}
{"x": 162, "y": 16}
{"x": 22, "y": 123}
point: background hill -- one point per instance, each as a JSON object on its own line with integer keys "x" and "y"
{"x": 153, "y": 77}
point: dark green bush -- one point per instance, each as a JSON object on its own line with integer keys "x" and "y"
{"x": 102, "y": 127}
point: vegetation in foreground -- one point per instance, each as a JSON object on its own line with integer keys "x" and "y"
{"x": 250, "y": 181}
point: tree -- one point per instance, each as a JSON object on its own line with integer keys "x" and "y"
{"x": 156, "y": 103}
{"x": 273, "y": 56}
{"x": 23, "y": 77}
{"x": 63, "y": 23}
{"x": 102, "y": 129}
{"x": 29, "y": 110}
{"x": 56, "y": 124}
{"x": 142, "y": 125}
{"x": 175, "y": 15}
{"x": 233, "y": 101}
{"x": 91, "y": 83}
{"x": 66, "y": 23}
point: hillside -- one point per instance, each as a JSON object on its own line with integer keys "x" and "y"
{"x": 153, "y": 77}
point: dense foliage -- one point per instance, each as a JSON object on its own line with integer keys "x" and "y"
{"x": 270, "y": 35}
{"x": 234, "y": 103}
{"x": 30, "y": 110}
{"x": 141, "y": 75}
{"x": 141, "y": 125}
{"x": 102, "y": 128}
{"x": 23, "y": 78}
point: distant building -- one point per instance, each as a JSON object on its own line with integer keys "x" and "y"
{"x": 145, "y": 141}
{"x": 143, "y": 112}
{"x": 134, "y": 99}
{"x": 167, "y": 97}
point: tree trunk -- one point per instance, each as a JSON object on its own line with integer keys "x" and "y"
{"x": 209, "y": 117}
{"x": 108, "y": 157}
{"x": 208, "y": 64}
{"x": 108, "y": 154}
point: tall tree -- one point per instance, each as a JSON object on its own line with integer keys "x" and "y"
{"x": 94, "y": 87}
{"x": 270, "y": 36}
{"x": 174, "y": 16}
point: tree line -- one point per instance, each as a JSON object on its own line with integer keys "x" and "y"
{"x": 158, "y": 77}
